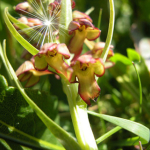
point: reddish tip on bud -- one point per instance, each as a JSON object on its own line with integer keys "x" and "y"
{"x": 26, "y": 72}
{"x": 80, "y": 15}
{"x": 23, "y": 8}
{"x": 81, "y": 30}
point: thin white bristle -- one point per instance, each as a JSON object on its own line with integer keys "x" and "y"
{"x": 50, "y": 23}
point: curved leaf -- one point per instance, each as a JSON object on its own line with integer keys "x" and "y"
{"x": 18, "y": 37}
{"x": 17, "y": 118}
{"x": 43, "y": 144}
{"x": 110, "y": 31}
{"x": 22, "y": 26}
{"x": 134, "y": 127}
{"x": 65, "y": 139}
{"x": 119, "y": 57}
{"x": 133, "y": 55}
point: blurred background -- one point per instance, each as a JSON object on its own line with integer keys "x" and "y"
{"x": 118, "y": 97}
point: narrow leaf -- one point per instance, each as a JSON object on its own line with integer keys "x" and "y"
{"x": 134, "y": 127}
{"x": 99, "y": 22}
{"x": 89, "y": 11}
{"x": 23, "y": 26}
{"x": 17, "y": 36}
{"x": 140, "y": 88}
{"x": 67, "y": 140}
{"x": 108, "y": 134}
{"x": 39, "y": 141}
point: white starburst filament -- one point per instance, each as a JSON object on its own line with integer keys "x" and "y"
{"x": 47, "y": 31}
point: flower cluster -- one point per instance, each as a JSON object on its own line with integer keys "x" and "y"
{"x": 52, "y": 55}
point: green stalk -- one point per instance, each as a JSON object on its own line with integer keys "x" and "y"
{"x": 140, "y": 89}
{"x": 65, "y": 19}
{"x": 65, "y": 139}
{"x": 99, "y": 23}
{"x": 77, "y": 106}
{"x": 110, "y": 31}
{"x": 108, "y": 134}
{"x": 78, "y": 110}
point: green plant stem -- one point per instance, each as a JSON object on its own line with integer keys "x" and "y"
{"x": 89, "y": 11}
{"x": 31, "y": 49}
{"x": 108, "y": 134}
{"x": 65, "y": 19}
{"x": 65, "y": 139}
{"x": 101, "y": 120}
{"x": 110, "y": 31}
{"x": 78, "y": 110}
{"x": 130, "y": 87}
{"x": 140, "y": 89}
{"x": 99, "y": 23}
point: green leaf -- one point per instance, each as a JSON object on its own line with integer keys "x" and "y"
{"x": 89, "y": 11}
{"x": 99, "y": 22}
{"x": 67, "y": 141}
{"x": 108, "y": 134}
{"x": 3, "y": 82}
{"x": 18, "y": 119}
{"x": 120, "y": 58}
{"x": 129, "y": 142}
{"x": 133, "y": 55}
{"x": 17, "y": 36}
{"x": 26, "y": 29}
{"x": 134, "y": 127}
{"x": 140, "y": 89}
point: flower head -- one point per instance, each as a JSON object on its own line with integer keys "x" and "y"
{"x": 84, "y": 70}
{"x": 98, "y": 49}
{"x": 80, "y": 15}
{"x": 81, "y": 30}
{"x": 23, "y": 8}
{"x": 27, "y": 72}
{"x": 45, "y": 21}
{"x": 52, "y": 54}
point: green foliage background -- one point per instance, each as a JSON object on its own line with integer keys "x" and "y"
{"x": 119, "y": 87}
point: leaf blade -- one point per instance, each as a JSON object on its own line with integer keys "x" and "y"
{"x": 17, "y": 36}
{"x": 131, "y": 126}
{"x": 65, "y": 138}
{"x": 133, "y": 55}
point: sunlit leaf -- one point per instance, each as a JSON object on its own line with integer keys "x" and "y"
{"x": 17, "y": 36}
{"x": 133, "y": 55}
{"x": 26, "y": 29}
{"x": 120, "y": 58}
{"x": 18, "y": 120}
{"x": 67, "y": 140}
{"x": 134, "y": 127}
